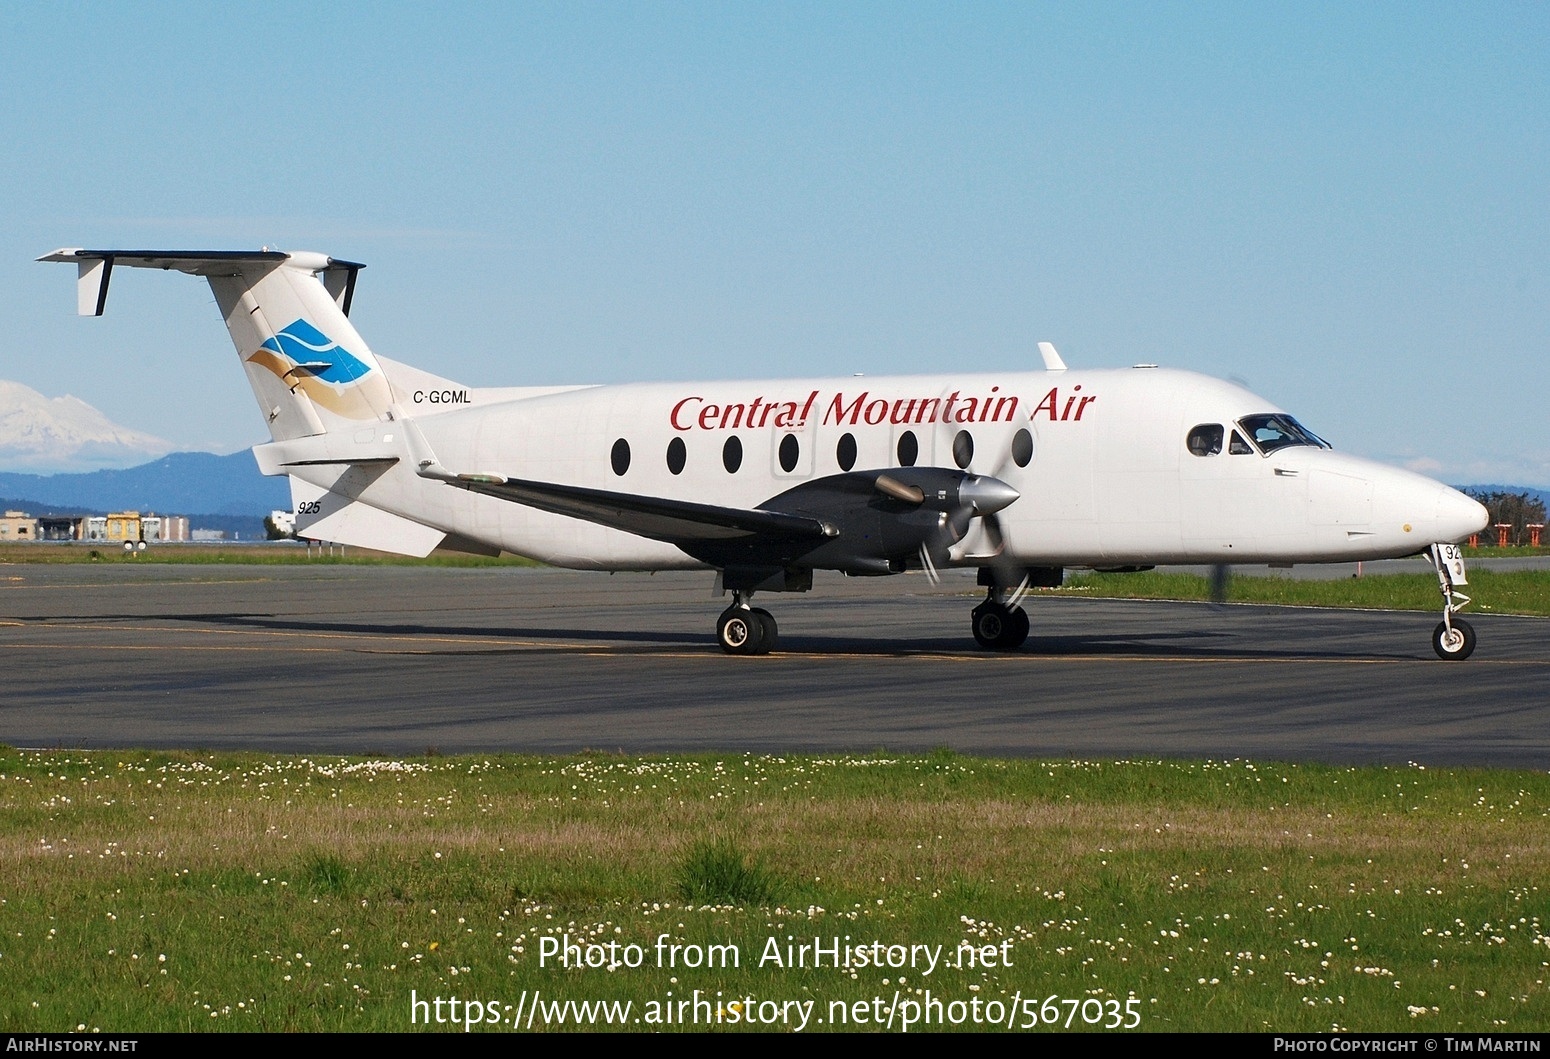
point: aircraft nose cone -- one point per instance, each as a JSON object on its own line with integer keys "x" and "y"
{"x": 1458, "y": 515}
{"x": 986, "y": 495}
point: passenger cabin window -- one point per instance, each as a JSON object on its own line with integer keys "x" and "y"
{"x": 732, "y": 454}
{"x": 963, "y": 448}
{"x": 1022, "y": 447}
{"x": 1271, "y": 432}
{"x": 845, "y": 451}
{"x": 620, "y": 457}
{"x": 1205, "y": 440}
{"x": 790, "y": 450}
{"x": 677, "y": 455}
{"x": 909, "y": 449}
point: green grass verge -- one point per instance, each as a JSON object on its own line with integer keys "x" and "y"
{"x": 1493, "y": 592}
{"x": 1511, "y": 551}
{"x": 1510, "y": 592}
{"x": 143, "y": 891}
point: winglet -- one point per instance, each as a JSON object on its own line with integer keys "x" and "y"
{"x": 92, "y": 286}
{"x": 1052, "y": 361}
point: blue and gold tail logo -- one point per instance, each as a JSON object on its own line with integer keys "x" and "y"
{"x": 304, "y": 359}
{"x": 305, "y": 344}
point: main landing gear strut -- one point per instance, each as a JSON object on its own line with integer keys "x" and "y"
{"x": 1454, "y": 638}
{"x": 746, "y": 630}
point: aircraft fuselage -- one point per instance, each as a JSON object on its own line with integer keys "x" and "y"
{"x": 1110, "y": 480}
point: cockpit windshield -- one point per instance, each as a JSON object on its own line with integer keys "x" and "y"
{"x": 1271, "y": 432}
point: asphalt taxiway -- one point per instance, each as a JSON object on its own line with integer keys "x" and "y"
{"x": 402, "y": 659}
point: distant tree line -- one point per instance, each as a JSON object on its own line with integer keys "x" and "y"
{"x": 273, "y": 531}
{"x": 1516, "y": 509}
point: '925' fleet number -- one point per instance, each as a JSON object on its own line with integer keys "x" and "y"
{"x": 310, "y": 507}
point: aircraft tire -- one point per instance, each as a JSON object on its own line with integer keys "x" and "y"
{"x": 998, "y": 627}
{"x": 741, "y": 631}
{"x": 771, "y": 630}
{"x": 1457, "y": 647}
{"x": 1017, "y": 631}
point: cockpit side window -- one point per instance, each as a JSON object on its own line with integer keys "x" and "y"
{"x": 1271, "y": 432}
{"x": 1238, "y": 447}
{"x": 1205, "y": 440}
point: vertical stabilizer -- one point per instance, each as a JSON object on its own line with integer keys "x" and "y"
{"x": 310, "y": 370}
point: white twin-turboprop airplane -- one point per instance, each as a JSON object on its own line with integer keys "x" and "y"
{"x": 1020, "y": 474}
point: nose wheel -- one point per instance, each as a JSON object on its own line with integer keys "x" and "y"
{"x": 745, "y": 630}
{"x": 1454, "y": 638}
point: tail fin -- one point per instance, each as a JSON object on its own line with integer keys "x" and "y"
{"x": 288, "y": 317}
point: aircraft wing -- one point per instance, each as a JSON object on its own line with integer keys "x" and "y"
{"x": 673, "y": 521}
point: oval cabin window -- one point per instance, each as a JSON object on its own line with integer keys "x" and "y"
{"x": 845, "y": 451}
{"x": 621, "y": 457}
{"x": 963, "y": 448}
{"x": 909, "y": 449}
{"x": 1022, "y": 447}
{"x": 676, "y": 455}
{"x": 790, "y": 449}
{"x": 732, "y": 454}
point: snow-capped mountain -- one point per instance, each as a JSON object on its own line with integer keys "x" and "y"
{"x": 41, "y": 435}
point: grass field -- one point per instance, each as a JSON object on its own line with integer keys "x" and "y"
{"x": 194, "y": 891}
{"x": 1515, "y": 592}
{"x": 1492, "y": 591}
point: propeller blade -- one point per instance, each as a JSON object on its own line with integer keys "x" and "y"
{"x": 993, "y": 534}
{"x": 1221, "y": 575}
{"x": 993, "y": 496}
{"x": 929, "y": 565}
{"x": 973, "y": 547}
{"x": 1017, "y": 594}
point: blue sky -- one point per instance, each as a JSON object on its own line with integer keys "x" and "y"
{"x": 1343, "y": 205}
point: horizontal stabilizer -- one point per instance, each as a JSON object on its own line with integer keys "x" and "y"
{"x": 323, "y": 515}
{"x": 351, "y": 461}
{"x": 324, "y": 450}
{"x": 194, "y": 262}
{"x": 96, "y": 268}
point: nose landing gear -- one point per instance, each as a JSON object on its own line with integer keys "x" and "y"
{"x": 1454, "y": 638}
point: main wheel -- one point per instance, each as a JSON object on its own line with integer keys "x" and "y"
{"x": 998, "y": 627}
{"x": 1017, "y": 630}
{"x": 1457, "y": 644}
{"x": 741, "y": 631}
{"x": 771, "y": 630}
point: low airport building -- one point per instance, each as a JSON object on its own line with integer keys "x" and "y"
{"x": 18, "y": 526}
